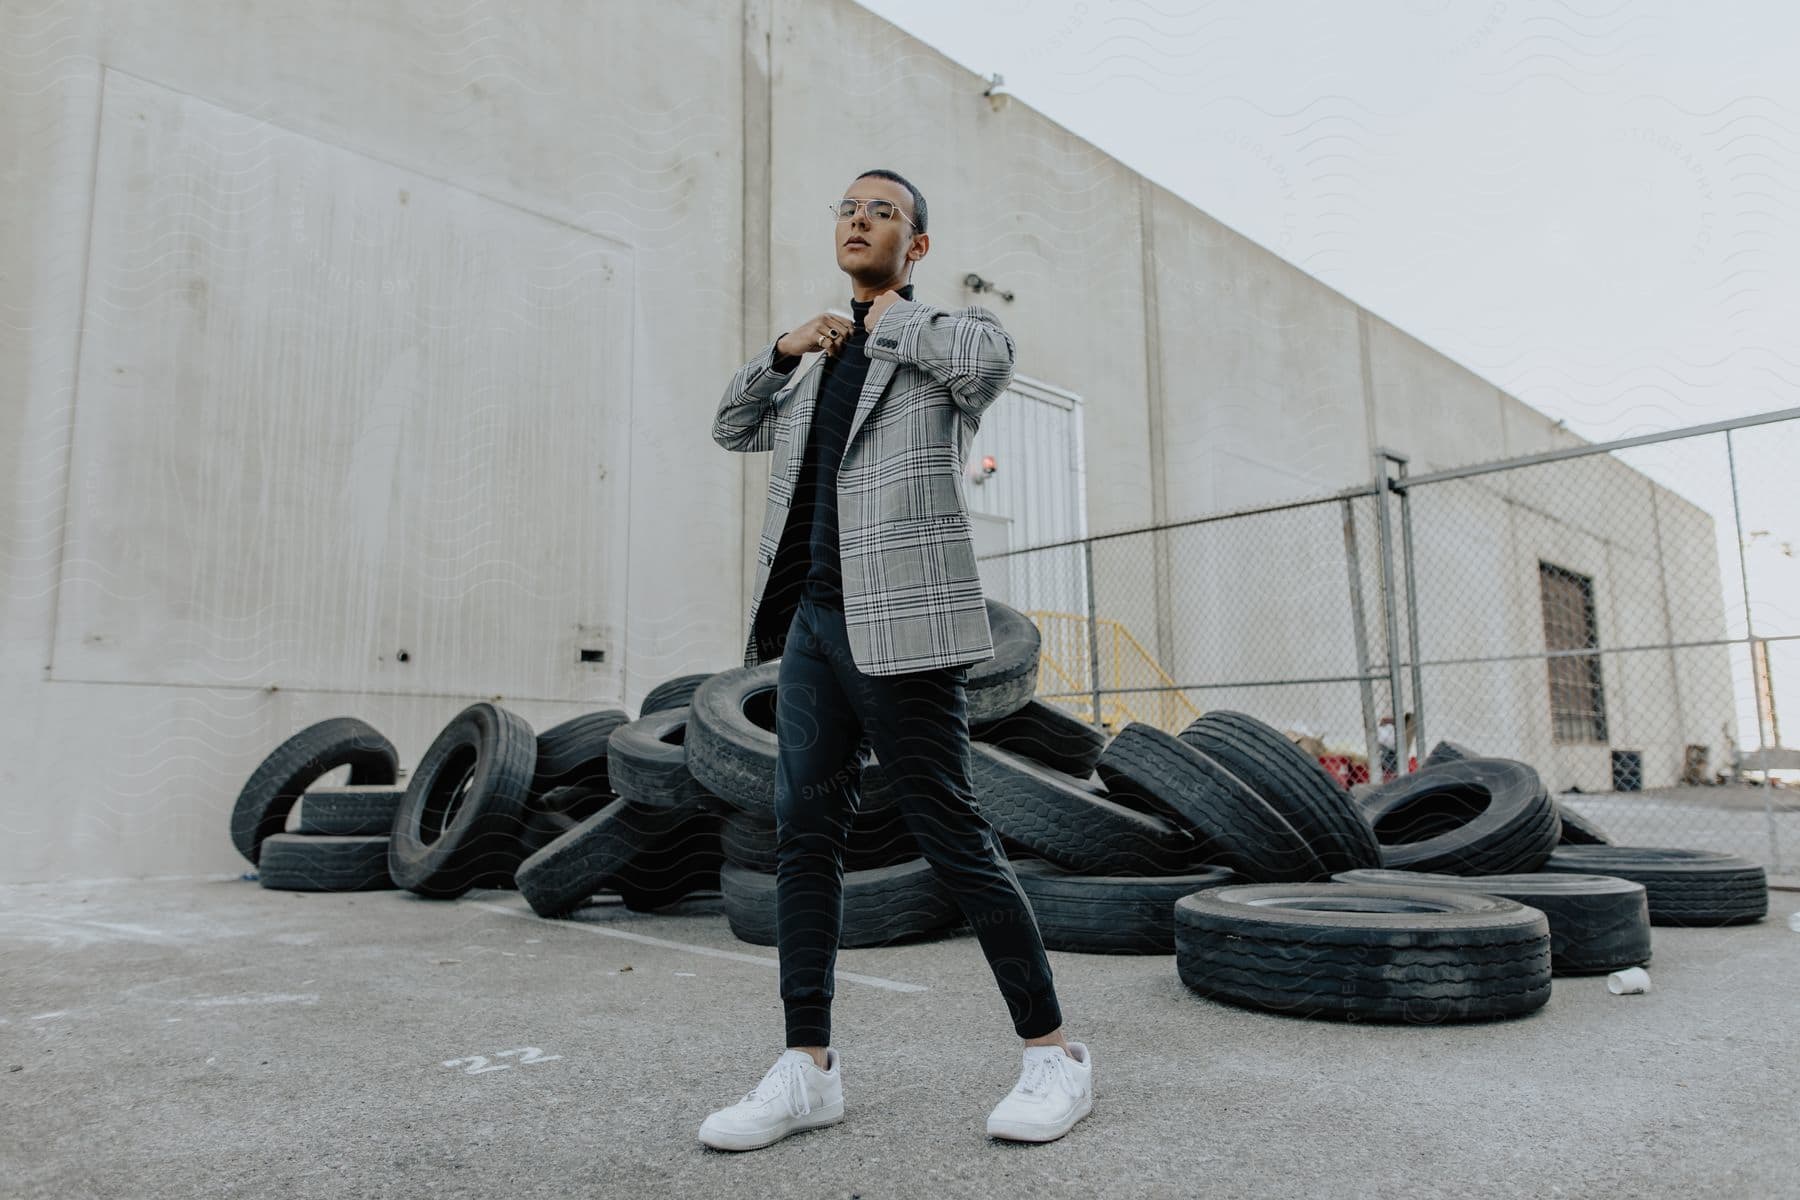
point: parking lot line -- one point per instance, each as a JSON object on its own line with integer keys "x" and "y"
{"x": 892, "y": 985}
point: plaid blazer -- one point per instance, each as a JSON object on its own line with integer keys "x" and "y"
{"x": 912, "y": 598}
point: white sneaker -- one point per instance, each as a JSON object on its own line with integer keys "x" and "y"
{"x": 1054, "y": 1091}
{"x": 792, "y": 1096}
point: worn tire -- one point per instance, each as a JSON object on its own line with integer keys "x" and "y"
{"x": 323, "y": 863}
{"x": 561, "y": 876}
{"x": 349, "y": 811}
{"x": 1578, "y": 830}
{"x": 269, "y": 794}
{"x": 458, "y": 825}
{"x": 649, "y": 761}
{"x": 1072, "y": 821}
{"x": 1293, "y": 783}
{"x": 1047, "y": 734}
{"x": 1361, "y": 952}
{"x": 672, "y": 866}
{"x": 1156, "y": 772}
{"x": 1445, "y": 752}
{"x": 1000, "y": 686}
{"x": 1598, "y": 923}
{"x": 1109, "y": 914}
{"x": 876, "y": 838}
{"x": 881, "y": 906}
{"x": 1688, "y": 888}
{"x": 731, "y": 742}
{"x": 1470, "y": 816}
{"x": 573, "y": 754}
{"x": 672, "y": 693}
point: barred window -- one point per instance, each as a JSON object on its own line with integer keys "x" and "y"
{"x": 1577, "y": 700}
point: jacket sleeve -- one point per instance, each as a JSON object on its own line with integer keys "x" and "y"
{"x": 966, "y": 350}
{"x": 751, "y": 398}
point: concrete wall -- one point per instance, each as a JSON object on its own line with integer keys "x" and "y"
{"x": 337, "y": 330}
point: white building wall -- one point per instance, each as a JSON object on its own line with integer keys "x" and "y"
{"x": 339, "y": 331}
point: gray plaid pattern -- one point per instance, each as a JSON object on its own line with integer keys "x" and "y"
{"x": 912, "y": 598}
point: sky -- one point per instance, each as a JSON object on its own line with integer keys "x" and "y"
{"x": 1594, "y": 206}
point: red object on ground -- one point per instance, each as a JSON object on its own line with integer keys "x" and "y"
{"x": 1344, "y": 769}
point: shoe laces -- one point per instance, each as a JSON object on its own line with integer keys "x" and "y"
{"x": 786, "y": 1081}
{"x": 1042, "y": 1071}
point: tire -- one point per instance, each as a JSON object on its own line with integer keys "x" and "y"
{"x": 672, "y": 693}
{"x": 1071, "y": 821}
{"x": 730, "y": 736}
{"x": 573, "y": 754}
{"x": 1109, "y": 914}
{"x": 1156, "y": 772}
{"x": 1688, "y": 888}
{"x": 465, "y": 805}
{"x": 673, "y": 866}
{"x": 1000, "y": 686}
{"x": 1577, "y": 830}
{"x": 1470, "y": 816}
{"x": 881, "y": 906}
{"x": 1047, "y": 734}
{"x": 1445, "y": 752}
{"x": 557, "y": 812}
{"x": 877, "y": 838}
{"x": 1293, "y": 783}
{"x": 1357, "y": 951}
{"x": 349, "y": 811}
{"x": 649, "y": 761}
{"x": 559, "y": 878}
{"x": 324, "y": 863}
{"x": 279, "y": 780}
{"x": 1597, "y": 923}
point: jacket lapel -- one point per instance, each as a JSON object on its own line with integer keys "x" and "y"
{"x": 874, "y": 383}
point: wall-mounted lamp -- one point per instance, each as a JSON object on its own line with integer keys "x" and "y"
{"x": 998, "y": 96}
{"x": 977, "y": 472}
{"x": 976, "y": 283}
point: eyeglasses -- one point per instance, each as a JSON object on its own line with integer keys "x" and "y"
{"x": 879, "y": 210}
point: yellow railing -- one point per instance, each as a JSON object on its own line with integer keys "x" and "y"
{"x": 1065, "y": 665}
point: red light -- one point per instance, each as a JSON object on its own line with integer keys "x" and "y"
{"x": 987, "y": 462}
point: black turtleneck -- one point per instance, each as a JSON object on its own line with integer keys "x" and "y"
{"x": 815, "y": 492}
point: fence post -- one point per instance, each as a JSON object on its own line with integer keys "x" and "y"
{"x": 1093, "y": 636}
{"x": 1412, "y": 628}
{"x": 1389, "y": 603}
{"x": 1359, "y": 622}
{"x": 1737, "y": 524}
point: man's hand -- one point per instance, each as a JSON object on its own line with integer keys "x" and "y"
{"x": 824, "y": 332}
{"x": 873, "y": 317}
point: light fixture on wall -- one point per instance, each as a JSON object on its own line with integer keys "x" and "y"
{"x": 977, "y": 472}
{"x": 998, "y": 96}
{"x": 976, "y": 283}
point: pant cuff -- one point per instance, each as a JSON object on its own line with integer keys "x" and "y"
{"x": 809, "y": 1025}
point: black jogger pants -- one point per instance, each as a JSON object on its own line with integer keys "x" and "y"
{"x": 827, "y": 712}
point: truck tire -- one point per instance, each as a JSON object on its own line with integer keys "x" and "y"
{"x": 1598, "y": 923}
{"x": 1470, "y": 816}
{"x": 1293, "y": 783}
{"x": 349, "y": 811}
{"x": 1361, "y": 952}
{"x": 1045, "y": 733}
{"x": 1156, "y": 772}
{"x": 649, "y": 761}
{"x": 459, "y": 822}
{"x": 559, "y": 878}
{"x": 1109, "y": 914}
{"x": 1688, "y": 888}
{"x": 672, "y": 693}
{"x": 881, "y": 906}
{"x": 323, "y": 863}
{"x": 270, "y": 793}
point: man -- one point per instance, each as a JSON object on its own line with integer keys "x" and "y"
{"x": 867, "y": 591}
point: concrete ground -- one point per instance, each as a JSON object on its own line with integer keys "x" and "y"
{"x": 209, "y": 1037}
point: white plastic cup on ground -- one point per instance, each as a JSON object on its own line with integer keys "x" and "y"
{"x": 1629, "y": 982}
{"x": 1794, "y": 921}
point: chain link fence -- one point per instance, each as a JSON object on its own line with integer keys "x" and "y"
{"x": 1623, "y": 616}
